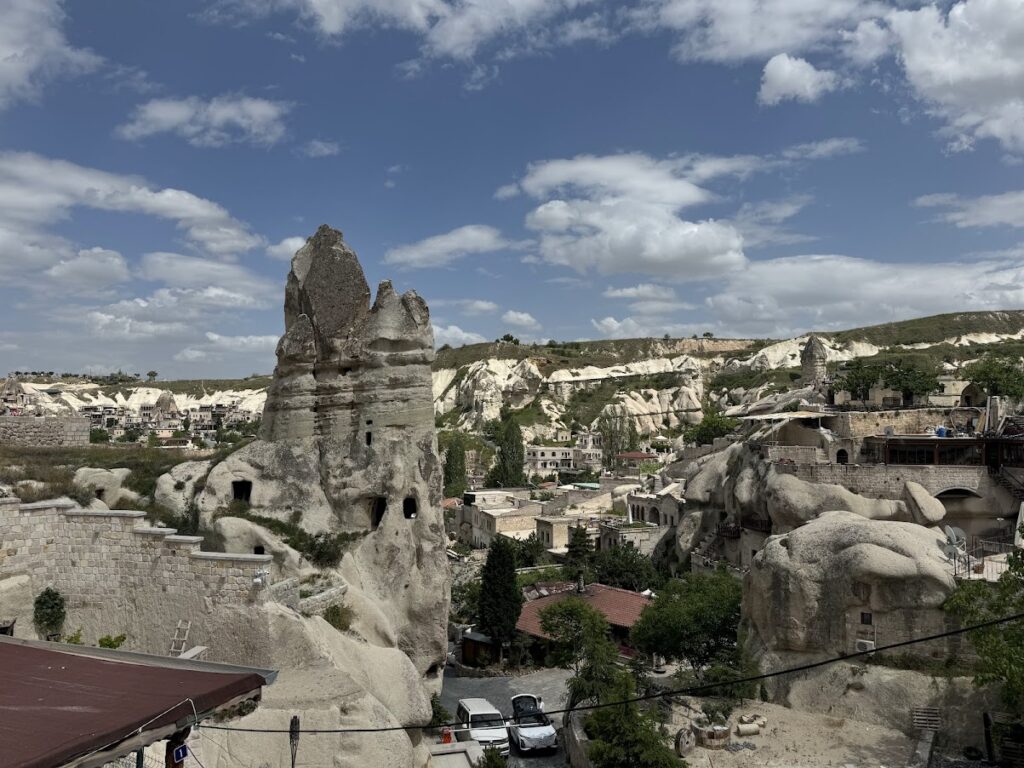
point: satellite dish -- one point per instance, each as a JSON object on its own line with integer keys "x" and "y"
{"x": 960, "y": 535}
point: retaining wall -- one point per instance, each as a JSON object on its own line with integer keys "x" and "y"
{"x": 43, "y": 431}
{"x": 118, "y": 574}
{"x": 885, "y": 481}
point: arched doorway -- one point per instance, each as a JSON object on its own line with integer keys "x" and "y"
{"x": 842, "y": 457}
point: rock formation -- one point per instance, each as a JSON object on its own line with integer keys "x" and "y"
{"x": 347, "y": 444}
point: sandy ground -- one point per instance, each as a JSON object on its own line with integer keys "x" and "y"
{"x": 795, "y": 739}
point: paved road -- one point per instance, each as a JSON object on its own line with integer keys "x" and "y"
{"x": 547, "y": 683}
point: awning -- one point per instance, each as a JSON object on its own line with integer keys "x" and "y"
{"x": 66, "y": 705}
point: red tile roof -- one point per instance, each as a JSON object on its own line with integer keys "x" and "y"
{"x": 620, "y": 607}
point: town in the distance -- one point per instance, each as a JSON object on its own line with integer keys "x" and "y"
{"x": 651, "y": 551}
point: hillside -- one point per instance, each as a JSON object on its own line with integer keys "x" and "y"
{"x": 937, "y": 328}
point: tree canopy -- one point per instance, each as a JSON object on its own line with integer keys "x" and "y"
{"x": 713, "y": 424}
{"x": 501, "y": 600}
{"x": 998, "y": 375}
{"x": 618, "y": 435}
{"x": 694, "y": 619}
{"x": 626, "y": 736}
{"x": 578, "y": 552}
{"x": 626, "y": 568}
{"x": 581, "y": 643}
{"x": 455, "y": 468}
{"x": 1000, "y": 648}
{"x": 858, "y": 378}
{"x": 507, "y": 471}
{"x": 910, "y": 379}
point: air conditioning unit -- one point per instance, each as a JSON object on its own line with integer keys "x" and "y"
{"x": 865, "y": 645}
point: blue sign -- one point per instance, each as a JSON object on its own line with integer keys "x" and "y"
{"x": 180, "y": 753}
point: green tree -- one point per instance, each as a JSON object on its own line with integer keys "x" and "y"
{"x": 529, "y": 552}
{"x": 618, "y": 435}
{"x": 48, "y": 612}
{"x": 97, "y": 435}
{"x": 858, "y": 378}
{"x": 455, "y": 467}
{"x": 501, "y": 600}
{"x": 579, "y": 550}
{"x": 152, "y": 440}
{"x": 581, "y": 644}
{"x": 1000, "y": 648}
{"x": 713, "y": 424}
{"x": 910, "y": 379}
{"x": 131, "y": 435}
{"x": 507, "y": 471}
{"x": 693, "y": 619}
{"x": 626, "y": 735}
{"x": 151, "y": 375}
{"x": 998, "y": 375}
{"x": 626, "y": 568}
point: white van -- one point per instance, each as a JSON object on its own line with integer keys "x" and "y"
{"x": 480, "y": 721}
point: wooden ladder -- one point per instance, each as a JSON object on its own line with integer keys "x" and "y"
{"x": 180, "y": 638}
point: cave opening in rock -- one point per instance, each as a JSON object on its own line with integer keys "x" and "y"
{"x": 241, "y": 490}
{"x": 842, "y": 457}
{"x": 100, "y": 493}
{"x": 410, "y": 508}
{"x": 378, "y": 506}
{"x": 369, "y": 438}
{"x": 258, "y": 550}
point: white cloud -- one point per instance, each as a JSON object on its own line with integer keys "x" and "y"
{"x": 867, "y": 43}
{"x": 761, "y": 223}
{"x": 455, "y": 336}
{"x": 226, "y": 119}
{"x": 242, "y": 343}
{"x": 788, "y": 78}
{"x": 826, "y": 148}
{"x": 632, "y": 328}
{"x": 36, "y": 191}
{"x": 968, "y": 67}
{"x": 641, "y": 291}
{"x": 1005, "y": 209}
{"x": 105, "y": 325}
{"x": 740, "y": 30}
{"x": 233, "y": 283}
{"x": 286, "y": 248}
{"x": 34, "y": 50}
{"x": 320, "y": 148}
{"x": 521, "y": 320}
{"x": 439, "y": 250}
{"x": 91, "y": 269}
{"x": 467, "y": 306}
{"x": 790, "y": 295}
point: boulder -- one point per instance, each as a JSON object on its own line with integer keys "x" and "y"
{"x": 175, "y": 489}
{"x": 243, "y": 536}
{"x": 924, "y": 508}
{"x": 802, "y": 584}
{"x": 107, "y": 484}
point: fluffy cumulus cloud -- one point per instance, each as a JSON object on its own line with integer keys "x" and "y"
{"x": 467, "y": 306}
{"x": 648, "y": 299}
{"x": 226, "y": 119}
{"x": 967, "y": 64}
{"x": 441, "y": 250}
{"x": 34, "y": 49}
{"x": 620, "y": 213}
{"x": 37, "y": 191}
{"x": 90, "y": 269}
{"x": 216, "y": 346}
{"x": 789, "y": 295}
{"x": 788, "y": 78}
{"x": 1006, "y": 209}
{"x": 233, "y": 284}
{"x": 286, "y": 248}
{"x": 521, "y": 320}
{"x": 454, "y": 336}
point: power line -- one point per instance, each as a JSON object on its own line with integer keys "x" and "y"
{"x": 672, "y": 692}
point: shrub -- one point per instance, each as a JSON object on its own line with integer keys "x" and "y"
{"x": 340, "y": 617}
{"x": 48, "y": 612}
{"x": 438, "y": 714}
{"x": 324, "y": 550}
{"x": 75, "y": 638}
{"x": 107, "y": 641}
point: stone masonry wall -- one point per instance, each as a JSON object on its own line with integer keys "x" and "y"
{"x": 43, "y": 431}
{"x": 886, "y": 481}
{"x": 117, "y": 574}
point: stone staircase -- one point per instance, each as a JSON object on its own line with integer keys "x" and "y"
{"x": 1010, "y": 483}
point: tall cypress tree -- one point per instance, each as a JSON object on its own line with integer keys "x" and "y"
{"x": 501, "y": 600}
{"x": 455, "y": 468}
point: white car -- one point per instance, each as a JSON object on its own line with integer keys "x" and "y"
{"x": 531, "y": 728}
{"x": 480, "y": 721}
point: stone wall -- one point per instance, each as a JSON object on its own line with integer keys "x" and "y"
{"x": 904, "y": 421}
{"x": 886, "y": 481}
{"x": 315, "y": 605}
{"x": 43, "y": 431}
{"x": 118, "y": 574}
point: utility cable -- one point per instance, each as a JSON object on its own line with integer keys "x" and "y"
{"x": 691, "y": 690}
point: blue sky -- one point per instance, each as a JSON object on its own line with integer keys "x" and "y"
{"x": 564, "y": 169}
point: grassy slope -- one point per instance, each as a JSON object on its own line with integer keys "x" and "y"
{"x": 935, "y": 328}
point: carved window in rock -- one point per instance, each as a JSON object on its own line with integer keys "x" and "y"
{"x": 378, "y": 506}
{"x": 259, "y": 550}
{"x": 241, "y": 490}
{"x": 842, "y": 457}
{"x": 866, "y": 618}
{"x": 410, "y": 509}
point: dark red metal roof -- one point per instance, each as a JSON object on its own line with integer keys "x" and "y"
{"x": 621, "y": 607}
{"x": 56, "y": 706}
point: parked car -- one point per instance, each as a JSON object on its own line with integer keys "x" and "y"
{"x": 480, "y": 721}
{"x": 531, "y": 728}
